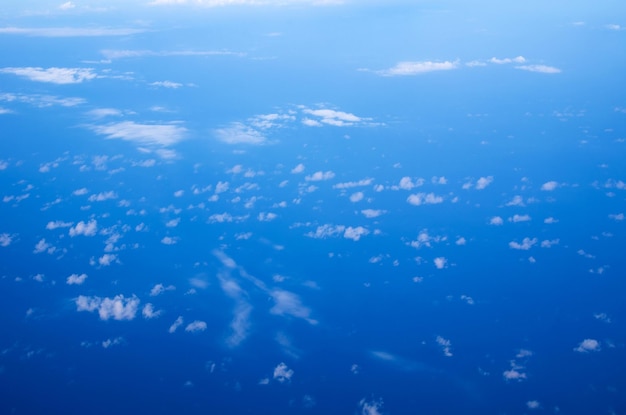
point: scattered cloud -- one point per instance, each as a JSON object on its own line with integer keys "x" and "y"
{"x": 333, "y": 117}
{"x": 179, "y": 322}
{"x": 588, "y": 345}
{"x": 617, "y": 217}
{"x": 282, "y": 373}
{"x": 440, "y": 262}
{"x": 41, "y": 101}
{"x": 53, "y": 75}
{"x": 87, "y": 229}
{"x": 446, "y": 346}
{"x": 549, "y": 186}
{"x": 518, "y": 59}
{"x": 288, "y": 303}
{"x": 196, "y": 326}
{"x": 526, "y": 244}
{"x": 483, "y": 182}
{"x": 151, "y": 135}
{"x": 370, "y": 407}
{"x": 160, "y": 289}
{"x": 298, "y": 169}
{"x": 519, "y": 218}
{"x": 148, "y": 311}
{"x": 5, "y": 239}
{"x": 539, "y": 69}
{"x": 68, "y": 31}
{"x": 167, "y": 84}
{"x": 319, "y": 176}
{"x": 239, "y": 133}
{"x": 58, "y": 224}
{"x": 424, "y": 199}
{"x": 101, "y": 197}
{"x": 373, "y": 213}
{"x": 117, "y": 308}
{"x": 417, "y": 67}
{"x": 76, "y": 279}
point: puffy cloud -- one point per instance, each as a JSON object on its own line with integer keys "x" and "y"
{"x": 53, "y": 75}
{"x": 117, "y": 308}
{"x": 196, "y": 326}
{"x": 282, "y": 373}
{"x": 76, "y": 279}
{"x": 87, "y": 229}
{"x": 424, "y": 199}
{"x": 446, "y": 346}
{"x": 518, "y": 59}
{"x": 371, "y": 407}
{"x": 168, "y": 240}
{"x": 167, "y": 84}
{"x": 266, "y": 217}
{"x": 519, "y": 218}
{"x": 440, "y": 262}
{"x": 356, "y": 197}
{"x": 101, "y": 197}
{"x": 348, "y": 185}
{"x": 355, "y": 233}
{"x": 406, "y": 183}
{"x": 549, "y": 243}
{"x": 148, "y": 311}
{"x": 5, "y": 239}
{"x": 549, "y": 186}
{"x": 239, "y": 133}
{"x": 332, "y": 117}
{"x": 526, "y": 244}
{"x": 539, "y": 68}
{"x": 533, "y": 404}
{"x": 160, "y": 288}
{"x": 112, "y": 342}
{"x": 288, "y": 303}
{"x": 372, "y": 213}
{"x": 41, "y": 246}
{"x": 320, "y": 175}
{"x": 483, "y": 182}
{"x": 496, "y": 220}
{"x": 58, "y": 224}
{"x": 107, "y": 259}
{"x": 416, "y": 68}
{"x": 298, "y": 169}
{"x": 588, "y": 345}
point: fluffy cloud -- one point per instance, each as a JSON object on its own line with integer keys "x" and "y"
{"x": 483, "y": 182}
{"x": 298, "y": 169}
{"x": 239, "y": 133}
{"x": 416, "y": 68}
{"x": 356, "y": 197}
{"x": 519, "y": 218}
{"x": 288, "y": 303}
{"x": 549, "y": 186}
{"x": 371, "y": 407}
{"x": 424, "y": 199}
{"x": 440, "y": 262}
{"x": 282, "y": 373}
{"x": 372, "y": 213}
{"x": 526, "y": 244}
{"x": 101, "y": 197}
{"x": 76, "y": 279}
{"x": 87, "y": 229}
{"x": 117, "y": 308}
{"x": 518, "y": 59}
{"x": 58, "y": 224}
{"x": 167, "y": 84}
{"x": 148, "y": 311}
{"x": 160, "y": 288}
{"x": 176, "y": 324}
{"x": 332, "y": 117}
{"x": 5, "y": 239}
{"x": 588, "y": 345}
{"x": 53, "y": 75}
{"x": 446, "y": 346}
{"x": 319, "y": 176}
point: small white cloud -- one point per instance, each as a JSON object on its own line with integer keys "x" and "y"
{"x": 618, "y": 217}
{"x": 526, "y": 244}
{"x": 176, "y": 324}
{"x": 549, "y": 186}
{"x": 5, "y": 239}
{"x": 266, "y": 217}
{"x": 355, "y": 233}
{"x": 76, "y": 279}
{"x": 167, "y": 84}
{"x": 373, "y": 213}
{"x": 68, "y": 31}
{"x": 298, "y": 169}
{"x": 483, "y": 182}
{"x": 168, "y": 240}
{"x": 196, "y": 326}
{"x": 518, "y": 59}
{"x": 588, "y": 345}
{"x": 282, "y": 373}
{"x": 461, "y": 241}
{"x": 148, "y": 311}
{"x": 332, "y": 117}
{"x": 319, "y": 176}
{"x": 58, "y": 224}
{"x": 87, "y": 229}
{"x": 416, "y": 68}
{"x": 152, "y": 135}
{"x": 440, "y": 262}
{"x": 239, "y": 133}
{"x": 101, "y": 197}
{"x": 519, "y": 218}
{"x": 539, "y": 69}
{"x": 160, "y": 289}
{"x": 107, "y": 259}
{"x": 112, "y": 342}
{"x": 424, "y": 199}
{"x": 406, "y": 183}
{"x": 53, "y": 75}
{"x": 371, "y": 407}
{"x": 533, "y": 405}
{"x": 446, "y": 346}
{"x": 117, "y": 308}
{"x": 356, "y": 197}
{"x": 550, "y": 220}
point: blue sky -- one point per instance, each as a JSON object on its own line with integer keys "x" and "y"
{"x": 312, "y": 207}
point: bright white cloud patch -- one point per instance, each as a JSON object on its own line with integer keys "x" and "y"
{"x": 483, "y": 182}
{"x": 373, "y": 213}
{"x": 282, "y": 373}
{"x": 525, "y": 245}
{"x": 539, "y": 69}
{"x": 440, "y": 262}
{"x": 549, "y": 186}
{"x": 148, "y": 311}
{"x": 424, "y": 199}
{"x": 53, "y": 75}
{"x": 588, "y": 345}
{"x": 176, "y": 324}
{"x": 152, "y": 135}
{"x": 355, "y": 233}
{"x": 196, "y": 326}
{"x": 416, "y": 68}
{"x": 68, "y": 31}
{"x": 87, "y": 229}
{"x": 76, "y": 279}
{"x": 319, "y": 176}
{"x": 117, "y": 308}
{"x": 370, "y": 407}
{"x": 239, "y": 133}
{"x": 5, "y": 239}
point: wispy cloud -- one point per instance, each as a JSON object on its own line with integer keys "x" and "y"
{"x": 239, "y": 133}
{"x": 68, "y": 31}
{"x": 53, "y": 75}
{"x": 130, "y": 53}
{"x": 222, "y": 3}
{"x": 408, "y": 68}
{"x": 151, "y": 135}
{"x": 41, "y": 101}
{"x": 539, "y": 68}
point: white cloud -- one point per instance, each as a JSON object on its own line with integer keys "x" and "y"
{"x": 112, "y": 342}
{"x": 117, "y": 308}
{"x": 549, "y": 186}
{"x": 288, "y": 303}
{"x": 333, "y": 117}
{"x": 76, "y": 279}
{"x": 372, "y": 213}
{"x": 282, "y": 373}
{"x": 406, "y": 183}
{"x": 148, "y": 311}
{"x": 87, "y": 229}
{"x": 549, "y": 243}
{"x": 58, "y": 224}
{"x": 266, "y": 217}
{"x": 483, "y": 182}
{"x": 67, "y": 5}
{"x": 355, "y": 233}
{"x": 588, "y": 345}
{"x": 160, "y": 289}
{"x": 440, "y": 262}
{"x": 53, "y": 75}
{"x": 167, "y": 84}
{"x": 526, "y": 244}
{"x": 416, "y": 68}
{"x": 5, "y": 239}
{"x": 533, "y": 404}
{"x": 550, "y": 220}
{"x": 518, "y": 59}
{"x": 539, "y": 69}
{"x": 617, "y": 217}
{"x": 348, "y": 185}
{"x": 107, "y": 259}
{"x": 519, "y": 218}
{"x": 68, "y": 31}
{"x": 80, "y": 192}
{"x": 325, "y": 231}
{"x": 320, "y": 175}
{"x": 298, "y": 169}
{"x": 239, "y": 133}
{"x": 179, "y": 322}
{"x": 41, "y": 246}
{"x": 154, "y": 135}
{"x": 356, "y": 197}
{"x": 196, "y": 326}
{"x": 446, "y": 346}
{"x": 101, "y": 197}
{"x": 370, "y": 408}
{"x": 424, "y": 199}
{"x": 168, "y": 240}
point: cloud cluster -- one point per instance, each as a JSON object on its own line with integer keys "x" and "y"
{"x": 53, "y": 75}
{"x": 117, "y": 308}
